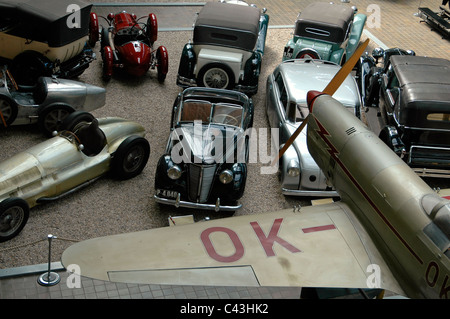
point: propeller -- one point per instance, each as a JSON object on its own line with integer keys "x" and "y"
{"x": 334, "y": 84}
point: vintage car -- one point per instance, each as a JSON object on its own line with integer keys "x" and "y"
{"x": 369, "y": 73}
{"x": 128, "y": 44}
{"x": 286, "y": 108}
{"x": 415, "y": 106}
{"x": 47, "y": 103}
{"x": 227, "y": 48}
{"x": 326, "y": 31}
{"x": 85, "y": 150}
{"x": 205, "y": 162}
{"x": 44, "y": 38}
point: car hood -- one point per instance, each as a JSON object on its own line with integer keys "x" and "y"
{"x": 208, "y": 144}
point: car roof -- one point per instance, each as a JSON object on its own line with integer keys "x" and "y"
{"x": 333, "y": 21}
{"x": 228, "y": 25}
{"x": 303, "y": 75}
{"x": 423, "y": 78}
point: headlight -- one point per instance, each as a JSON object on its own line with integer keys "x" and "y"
{"x": 226, "y": 176}
{"x": 293, "y": 168}
{"x": 174, "y": 172}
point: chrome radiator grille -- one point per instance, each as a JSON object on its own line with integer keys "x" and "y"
{"x": 200, "y": 180}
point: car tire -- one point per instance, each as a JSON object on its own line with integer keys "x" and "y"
{"x": 108, "y": 62}
{"x": 152, "y": 28}
{"x": 14, "y": 213}
{"x": 51, "y": 118}
{"x": 28, "y": 66}
{"x": 8, "y": 110}
{"x": 74, "y": 119}
{"x": 93, "y": 30}
{"x": 305, "y": 53}
{"x": 162, "y": 62}
{"x": 216, "y": 75}
{"x": 130, "y": 157}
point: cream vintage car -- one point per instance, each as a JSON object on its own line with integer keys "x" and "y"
{"x": 87, "y": 149}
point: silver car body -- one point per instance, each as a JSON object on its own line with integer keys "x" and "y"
{"x": 47, "y": 92}
{"x": 286, "y": 107}
{"x": 56, "y": 166}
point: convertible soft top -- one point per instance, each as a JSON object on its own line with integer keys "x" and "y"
{"x": 324, "y": 21}
{"x": 425, "y": 85}
{"x": 45, "y": 20}
{"x": 228, "y": 25}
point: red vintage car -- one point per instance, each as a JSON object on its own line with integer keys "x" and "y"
{"x": 128, "y": 44}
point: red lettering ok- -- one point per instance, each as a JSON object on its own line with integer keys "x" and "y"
{"x": 268, "y": 241}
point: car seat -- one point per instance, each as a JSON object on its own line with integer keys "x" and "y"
{"x": 92, "y": 138}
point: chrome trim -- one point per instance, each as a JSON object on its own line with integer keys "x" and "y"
{"x": 432, "y": 172}
{"x": 297, "y": 192}
{"x": 178, "y": 203}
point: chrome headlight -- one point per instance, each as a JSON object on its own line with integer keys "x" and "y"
{"x": 226, "y": 176}
{"x": 293, "y": 168}
{"x": 174, "y": 172}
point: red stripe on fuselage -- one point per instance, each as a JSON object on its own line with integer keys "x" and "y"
{"x": 333, "y": 153}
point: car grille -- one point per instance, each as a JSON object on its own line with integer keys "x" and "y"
{"x": 200, "y": 181}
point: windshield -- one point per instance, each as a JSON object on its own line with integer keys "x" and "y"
{"x": 301, "y": 112}
{"x": 211, "y": 113}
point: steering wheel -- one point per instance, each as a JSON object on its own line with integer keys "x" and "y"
{"x": 227, "y": 119}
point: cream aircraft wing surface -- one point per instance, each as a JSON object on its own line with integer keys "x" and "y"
{"x": 317, "y": 246}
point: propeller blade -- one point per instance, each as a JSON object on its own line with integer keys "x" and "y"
{"x": 334, "y": 84}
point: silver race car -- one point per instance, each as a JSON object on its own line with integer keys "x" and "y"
{"x": 85, "y": 150}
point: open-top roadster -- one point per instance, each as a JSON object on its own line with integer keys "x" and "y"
{"x": 85, "y": 150}
{"x": 47, "y": 102}
{"x": 129, "y": 45}
{"x": 205, "y": 162}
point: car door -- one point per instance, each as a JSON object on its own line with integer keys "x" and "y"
{"x": 278, "y": 104}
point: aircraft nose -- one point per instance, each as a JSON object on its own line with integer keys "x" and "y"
{"x": 310, "y": 98}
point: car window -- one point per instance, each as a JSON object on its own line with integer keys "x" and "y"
{"x": 281, "y": 88}
{"x": 301, "y": 112}
{"x": 229, "y": 114}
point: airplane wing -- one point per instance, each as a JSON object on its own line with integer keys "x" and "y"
{"x": 315, "y": 246}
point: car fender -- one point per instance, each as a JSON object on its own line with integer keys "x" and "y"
{"x": 187, "y": 62}
{"x": 359, "y": 22}
{"x": 337, "y": 56}
{"x": 288, "y": 52}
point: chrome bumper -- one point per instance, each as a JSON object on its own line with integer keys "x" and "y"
{"x": 179, "y": 203}
{"x": 297, "y": 192}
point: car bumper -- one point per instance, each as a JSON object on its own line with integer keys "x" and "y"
{"x": 179, "y": 203}
{"x": 312, "y": 193}
{"x": 186, "y": 82}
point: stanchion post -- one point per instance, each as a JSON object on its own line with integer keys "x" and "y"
{"x": 49, "y": 278}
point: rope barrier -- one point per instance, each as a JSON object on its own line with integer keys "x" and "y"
{"x": 35, "y": 242}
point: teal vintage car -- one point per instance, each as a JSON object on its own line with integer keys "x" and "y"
{"x": 326, "y": 31}
{"x": 227, "y": 48}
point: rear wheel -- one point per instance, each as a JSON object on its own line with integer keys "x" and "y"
{"x": 130, "y": 158}
{"x": 162, "y": 62}
{"x": 14, "y": 213}
{"x": 51, "y": 118}
{"x": 8, "y": 111}
{"x": 108, "y": 60}
{"x": 307, "y": 53}
{"x": 27, "y": 67}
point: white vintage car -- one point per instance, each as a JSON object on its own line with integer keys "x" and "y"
{"x": 286, "y": 108}
{"x": 227, "y": 48}
{"x": 86, "y": 150}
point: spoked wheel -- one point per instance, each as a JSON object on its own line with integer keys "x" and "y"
{"x": 8, "y": 111}
{"x": 217, "y": 76}
{"x": 14, "y": 214}
{"x": 130, "y": 158}
{"x": 307, "y": 53}
{"x": 51, "y": 118}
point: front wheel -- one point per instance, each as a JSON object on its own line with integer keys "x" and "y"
{"x": 130, "y": 158}
{"x": 14, "y": 213}
{"x": 8, "y": 111}
{"x": 162, "y": 63}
